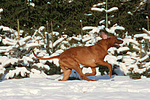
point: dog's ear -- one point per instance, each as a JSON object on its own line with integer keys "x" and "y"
{"x": 104, "y": 35}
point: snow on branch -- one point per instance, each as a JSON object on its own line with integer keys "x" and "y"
{"x": 19, "y": 70}
{"x": 142, "y": 35}
{"x": 88, "y": 28}
{"x": 58, "y": 41}
{"x": 146, "y": 31}
{"x": 121, "y": 49}
{"x": 39, "y": 31}
{"x": 4, "y": 28}
{"x": 5, "y": 48}
{"x": 98, "y": 9}
{"x": 41, "y": 65}
{"x": 9, "y": 41}
{"x": 137, "y": 48}
{"x": 10, "y": 30}
{"x": 142, "y": 3}
{"x": 103, "y": 9}
{"x": 144, "y": 58}
{"x": 37, "y": 74}
{"x": 24, "y": 40}
{"x": 114, "y": 28}
{"x": 1, "y": 10}
{"x": 129, "y": 40}
{"x": 99, "y": 4}
{"x": 112, "y": 9}
{"x": 145, "y": 35}
{"x": 93, "y": 29}
{"x": 31, "y": 45}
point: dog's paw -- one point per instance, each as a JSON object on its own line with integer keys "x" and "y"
{"x": 92, "y": 80}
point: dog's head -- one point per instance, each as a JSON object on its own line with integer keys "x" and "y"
{"x": 112, "y": 40}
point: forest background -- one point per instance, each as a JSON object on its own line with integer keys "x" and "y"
{"x": 66, "y": 15}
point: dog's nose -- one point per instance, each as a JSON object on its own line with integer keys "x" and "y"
{"x": 121, "y": 41}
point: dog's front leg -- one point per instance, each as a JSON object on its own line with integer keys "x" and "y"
{"x": 101, "y": 62}
{"x": 93, "y": 72}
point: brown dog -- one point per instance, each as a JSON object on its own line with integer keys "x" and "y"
{"x": 90, "y": 56}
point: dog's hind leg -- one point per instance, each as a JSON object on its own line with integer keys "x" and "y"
{"x": 93, "y": 72}
{"x": 68, "y": 64}
{"x": 79, "y": 71}
{"x": 67, "y": 73}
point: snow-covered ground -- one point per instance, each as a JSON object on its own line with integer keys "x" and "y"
{"x": 105, "y": 88}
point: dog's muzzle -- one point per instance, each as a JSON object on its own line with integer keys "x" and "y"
{"x": 116, "y": 44}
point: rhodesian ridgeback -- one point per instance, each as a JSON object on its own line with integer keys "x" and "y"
{"x": 90, "y": 56}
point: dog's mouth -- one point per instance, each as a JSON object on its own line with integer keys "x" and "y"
{"x": 116, "y": 45}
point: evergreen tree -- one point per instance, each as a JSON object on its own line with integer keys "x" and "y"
{"x": 66, "y": 15}
{"x": 131, "y": 19}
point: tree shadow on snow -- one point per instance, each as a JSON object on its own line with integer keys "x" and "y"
{"x": 101, "y": 77}
{"x": 75, "y": 76}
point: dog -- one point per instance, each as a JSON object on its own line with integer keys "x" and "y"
{"x": 90, "y": 56}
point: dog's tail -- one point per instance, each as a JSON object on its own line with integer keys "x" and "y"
{"x": 45, "y": 58}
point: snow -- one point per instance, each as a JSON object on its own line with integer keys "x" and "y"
{"x": 103, "y": 9}
{"x": 40, "y": 65}
{"x": 105, "y": 88}
{"x": 148, "y": 32}
{"x": 98, "y": 9}
{"x": 27, "y": 59}
{"x": 137, "y": 48}
{"x": 102, "y": 21}
{"x": 122, "y": 49}
{"x": 88, "y": 14}
{"x": 99, "y": 4}
{"x": 37, "y": 74}
{"x": 5, "y": 48}
{"x": 94, "y": 8}
{"x": 143, "y": 2}
{"x": 144, "y": 58}
{"x": 130, "y": 13}
{"x": 1, "y": 10}
{"x": 9, "y": 41}
{"x": 111, "y": 59}
{"x": 128, "y": 60}
{"x": 129, "y": 40}
{"x": 114, "y": 28}
{"x": 31, "y": 45}
{"x": 143, "y": 35}
{"x": 7, "y": 29}
{"x": 112, "y": 9}
{"x": 19, "y": 70}
{"x": 57, "y": 41}
{"x": 31, "y": 4}
{"x": 24, "y": 40}
{"x": 93, "y": 29}
{"x": 86, "y": 70}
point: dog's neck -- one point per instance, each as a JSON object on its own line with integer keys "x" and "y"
{"x": 104, "y": 42}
